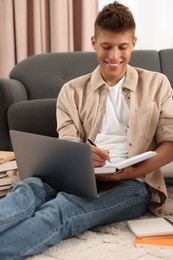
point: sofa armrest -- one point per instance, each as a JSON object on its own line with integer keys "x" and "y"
{"x": 11, "y": 91}
{"x": 34, "y": 116}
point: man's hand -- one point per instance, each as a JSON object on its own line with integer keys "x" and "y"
{"x": 99, "y": 156}
{"x": 127, "y": 173}
{"x": 99, "y": 159}
{"x": 164, "y": 156}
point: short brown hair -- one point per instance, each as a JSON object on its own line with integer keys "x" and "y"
{"x": 115, "y": 17}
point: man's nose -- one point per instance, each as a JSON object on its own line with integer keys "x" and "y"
{"x": 114, "y": 54}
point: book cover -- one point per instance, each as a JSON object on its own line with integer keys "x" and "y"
{"x": 8, "y": 166}
{"x": 4, "y": 192}
{"x": 5, "y": 181}
{"x": 157, "y": 241}
{"x": 114, "y": 168}
{"x": 5, "y": 187}
{"x": 6, "y": 156}
{"x": 150, "y": 227}
{"x": 3, "y": 174}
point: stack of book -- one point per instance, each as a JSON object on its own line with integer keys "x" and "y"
{"x": 7, "y": 164}
{"x": 152, "y": 232}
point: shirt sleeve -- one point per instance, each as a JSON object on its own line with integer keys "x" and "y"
{"x": 165, "y": 126}
{"x": 69, "y": 126}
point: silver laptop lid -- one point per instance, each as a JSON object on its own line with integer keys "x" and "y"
{"x": 65, "y": 165}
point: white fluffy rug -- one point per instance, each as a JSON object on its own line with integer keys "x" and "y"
{"x": 109, "y": 242}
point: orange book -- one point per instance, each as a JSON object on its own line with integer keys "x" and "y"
{"x": 157, "y": 241}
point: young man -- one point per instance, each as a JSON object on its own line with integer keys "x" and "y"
{"x": 124, "y": 110}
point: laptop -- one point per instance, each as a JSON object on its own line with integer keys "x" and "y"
{"x": 65, "y": 165}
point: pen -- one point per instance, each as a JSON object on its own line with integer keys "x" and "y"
{"x": 92, "y": 143}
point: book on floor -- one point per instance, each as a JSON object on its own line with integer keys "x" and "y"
{"x": 6, "y": 183}
{"x": 8, "y": 166}
{"x": 114, "y": 168}
{"x": 155, "y": 241}
{"x": 4, "y": 192}
{"x": 6, "y": 156}
{"x": 5, "y": 187}
{"x": 6, "y": 180}
{"x": 151, "y": 227}
{"x": 3, "y": 174}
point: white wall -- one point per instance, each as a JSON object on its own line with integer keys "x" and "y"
{"x": 154, "y": 20}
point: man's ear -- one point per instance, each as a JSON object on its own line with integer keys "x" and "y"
{"x": 134, "y": 41}
{"x": 93, "y": 42}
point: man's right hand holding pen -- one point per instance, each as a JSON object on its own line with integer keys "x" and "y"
{"x": 99, "y": 159}
{"x": 99, "y": 156}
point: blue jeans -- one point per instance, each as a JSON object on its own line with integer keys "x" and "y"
{"x": 33, "y": 216}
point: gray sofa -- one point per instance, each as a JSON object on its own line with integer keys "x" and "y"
{"x": 28, "y": 96}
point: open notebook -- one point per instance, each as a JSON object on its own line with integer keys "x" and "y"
{"x": 114, "y": 168}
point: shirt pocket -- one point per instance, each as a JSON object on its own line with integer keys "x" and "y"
{"x": 147, "y": 120}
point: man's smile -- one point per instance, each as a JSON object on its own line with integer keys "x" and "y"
{"x": 113, "y": 65}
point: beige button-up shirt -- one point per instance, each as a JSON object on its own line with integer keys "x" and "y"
{"x": 81, "y": 105}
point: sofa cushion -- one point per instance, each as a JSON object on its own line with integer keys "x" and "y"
{"x": 146, "y": 59}
{"x": 34, "y": 116}
{"x": 44, "y": 74}
{"x": 166, "y": 61}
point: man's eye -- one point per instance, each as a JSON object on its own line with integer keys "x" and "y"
{"x": 106, "y": 47}
{"x": 122, "y": 48}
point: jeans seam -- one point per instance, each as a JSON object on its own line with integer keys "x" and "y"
{"x": 28, "y": 210}
{"x": 18, "y": 216}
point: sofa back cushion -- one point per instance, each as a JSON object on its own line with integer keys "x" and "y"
{"x": 166, "y": 61}
{"x": 43, "y": 75}
{"x": 146, "y": 59}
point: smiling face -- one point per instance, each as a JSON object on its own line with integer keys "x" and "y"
{"x": 113, "y": 53}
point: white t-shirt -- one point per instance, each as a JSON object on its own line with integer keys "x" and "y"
{"x": 112, "y": 135}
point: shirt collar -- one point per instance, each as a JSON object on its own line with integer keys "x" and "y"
{"x": 96, "y": 79}
{"x": 131, "y": 79}
{"x": 130, "y": 82}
